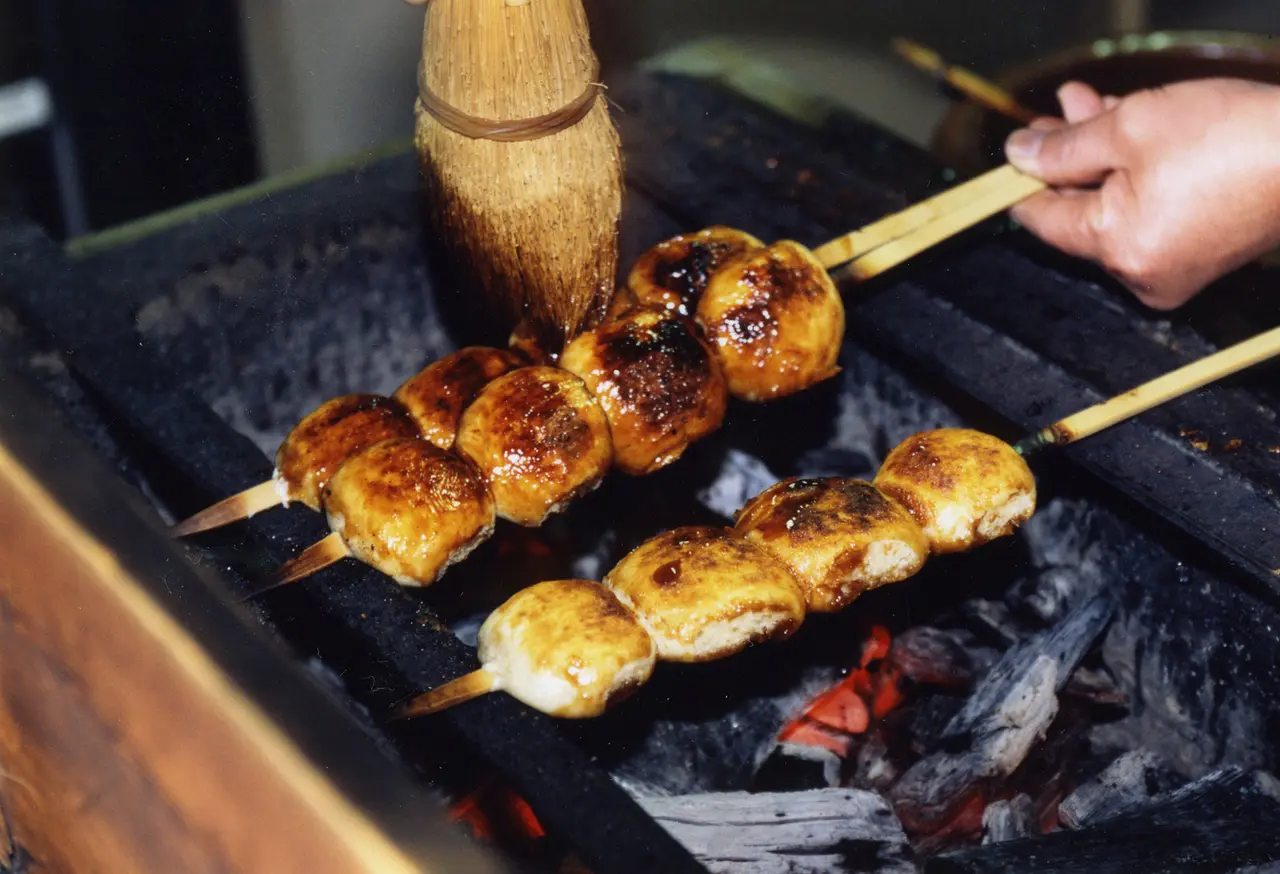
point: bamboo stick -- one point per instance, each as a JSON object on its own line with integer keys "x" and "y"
{"x": 1164, "y": 388}
{"x": 451, "y": 694}
{"x": 968, "y": 83}
{"x": 995, "y": 190}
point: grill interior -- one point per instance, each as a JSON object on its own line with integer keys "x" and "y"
{"x": 186, "y": 355}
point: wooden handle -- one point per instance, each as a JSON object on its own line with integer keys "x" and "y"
{"x": 968, "y": 83}
{"x": 1174, "y": 384}
{"x": 963, "y": 206}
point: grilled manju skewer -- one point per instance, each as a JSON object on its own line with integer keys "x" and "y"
{"x": 649, "y": 366}
{"x": 706, "y": 593}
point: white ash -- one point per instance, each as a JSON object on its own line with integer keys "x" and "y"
{"x": 1008, "y": 820}
{"x": 273, "y": 341}
{"x": 593, "y": 565}
{"x": 1131, "y": 780}
{"x": 812, "y": 832}
{"x": 741, "y": 478}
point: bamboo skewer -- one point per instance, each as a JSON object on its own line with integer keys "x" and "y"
{"x": 888, "y": 242}
{"x": 1185, "y": 379}
{"x": 872, "y": 249}
{"x": 465, "y": 688}
{"x": 311, "y": 560}
{"x": 246, "y": 504}
{"x": 968, "y": 83}
{"x": 1076, "y": 427}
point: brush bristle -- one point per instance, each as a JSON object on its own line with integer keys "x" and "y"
{"x": 533, "y": 224}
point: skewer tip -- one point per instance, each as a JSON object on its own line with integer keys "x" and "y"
{"x": 451, "y": 694}
{"x": 251, "y": 501}
{"x": 313, "y": 559}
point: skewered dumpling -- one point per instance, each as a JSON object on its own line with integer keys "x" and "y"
{"x": 541, "y": 440}
{"x": 673, "y": 274}
{"x": 703, "y": 593}
{"x": 839, "y": 537}
{"x": 409, "y": 509}
{"x": 658, "y": 382}
{"x": 438, "y": 394}
{"x": 964, "y": 487}
{"x": 567, "y": 648}
{"x": 327, "y": 437}
{"x": 776, "y": 321}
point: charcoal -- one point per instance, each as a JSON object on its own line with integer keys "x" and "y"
{"x": 927, "y": 718}
{"x": 741, "y": 478}
{"x": 1009, "y": 711}
{"x": 932, "y": 657}
{"x": 1224, "y": 822}
{"x": 1008, "y": 820}
{"x": 836, "y": 462}
{"x": 1051, "y": 656}
{"x": 1052, "y": 590}
{"x": 1097, "y": 687}
{"x": 993, "y": 620}
{"x": 872, "y": 767}
{"x": 813, "y": 832}
{"x": 795, "y": 767}
{"x": 1130, "y": 781}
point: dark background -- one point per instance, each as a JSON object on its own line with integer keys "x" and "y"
{"x": 161, "y": 102}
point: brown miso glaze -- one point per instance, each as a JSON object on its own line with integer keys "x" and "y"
{"x": 673, "y": 274}
{"x": 335, "y": 431}
{"x": 825, "y": 529}
{"x": 657, "y": 381}
{"x": 409, "y": 509}
{"x": 958, "y": 483}
{"x": 436, "y": 396}
{"x": 667, "y": 574}
{"x": 540, "y": 438}
{"x": 688, "y": 586}
{"x": 775, "y": 321}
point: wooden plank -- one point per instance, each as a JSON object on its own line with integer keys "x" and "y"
{"x": 125, "y": 747}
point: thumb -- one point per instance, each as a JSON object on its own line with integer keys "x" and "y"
{"x": 1079, "y": 154}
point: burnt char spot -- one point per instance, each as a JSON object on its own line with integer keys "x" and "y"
{"x": 658, "y": 371}
{"x": 919, "y": 510}
{"x": 804, "y": 509}
{"x": 684, "y": 267}
{"x": 917, "y": 462}
{"x": 339, "y": 429}
{"x": 780, "y": 277}
{"x": 408, "y": 474}
{"x": 750, "y": 324}
{"x": 453, "y": 382}
{"x": 537, "y": 419}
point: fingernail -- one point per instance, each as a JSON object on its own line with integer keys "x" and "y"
{"x": 1023, "y": 148}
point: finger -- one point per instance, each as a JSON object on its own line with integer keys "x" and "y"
{"x": 1109, "y": 102}
{"x": 1079, "y": 102}
{"x": 1047, "y": 124}
{"x": 1066, "y": 220}
{"x": 1078, "y": 154}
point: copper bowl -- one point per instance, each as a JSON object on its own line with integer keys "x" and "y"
{"x": 971, "y": 138}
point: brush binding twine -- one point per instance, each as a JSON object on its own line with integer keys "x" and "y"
{"x": 521, "y": 130}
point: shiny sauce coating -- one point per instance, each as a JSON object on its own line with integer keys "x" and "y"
{"x": 658, "y": 382}
{"x": 327, "y": 437}
{"x": 540, "y": 438}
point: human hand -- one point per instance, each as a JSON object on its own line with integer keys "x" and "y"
{"x": 1168, "y": 189}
